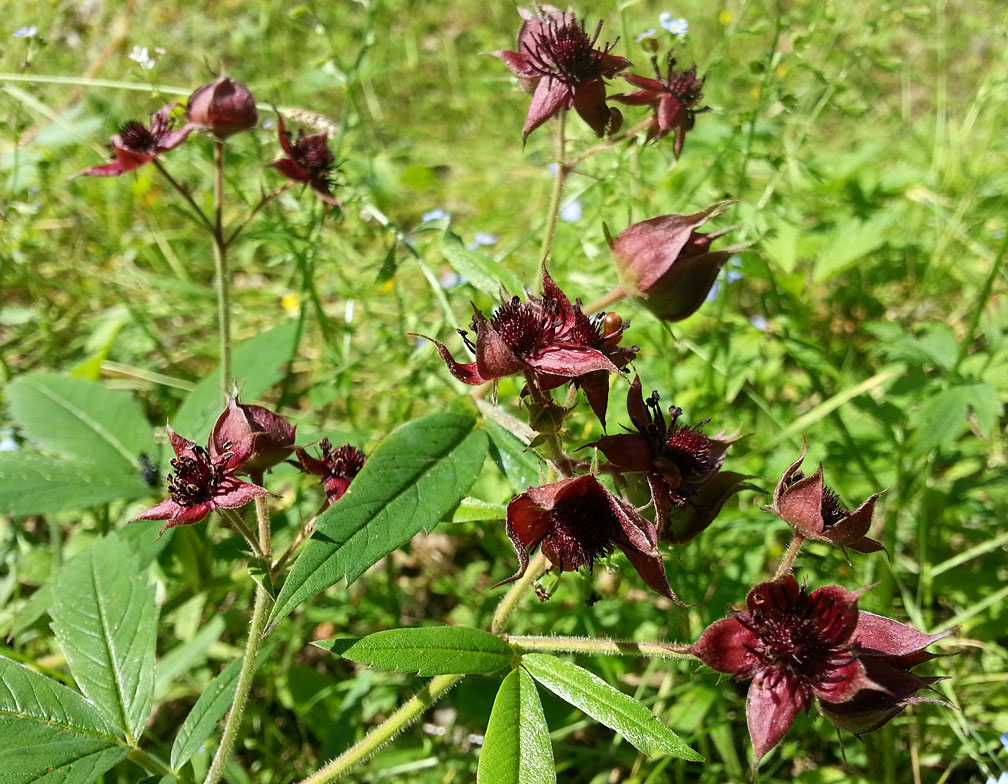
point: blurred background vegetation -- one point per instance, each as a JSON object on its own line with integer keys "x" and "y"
{"x": 864, "y": 143}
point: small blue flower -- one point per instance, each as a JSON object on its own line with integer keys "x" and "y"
{"x": 1002, "y": 779}
{"x": 482, "y": 238}
{"x": 714, "y": 291}
{"x": 26, "y": 32}
{"x": 436, "y": 214}
{"x": 571, "y": 211}
{"x": 450, "y": 279}
{"x": 759, "y": 322}
{"x": 646, "y": 34}
{"x": 1004, "y": 740}
{"x": 677, "y": 26}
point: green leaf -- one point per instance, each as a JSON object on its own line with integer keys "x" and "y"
{"x": 479, "y": 269}
{"x": 520, "y": 464}
{"x": 516, "y": 749}
{"x": 473, "y": 509}
{"x": 32, "y": 483}
{"x": 437, "y": 650}
{"x": 105, "y": 622}
{"x": 607, "y": 705}
{"x": 50, "y": 732}
{"x": 257, "y": 364}
{"x": 413, "y": 479}
{"x": 80, "y": 420}
{"x": 203, "y": 718}
{"x": 850, "y": 241}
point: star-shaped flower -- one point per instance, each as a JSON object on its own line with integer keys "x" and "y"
{"x": 309, "y": 160}
{"x": 136, "y": 144}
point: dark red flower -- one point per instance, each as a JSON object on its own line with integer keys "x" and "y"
{"x": 673, "y": 96}
{"x": 337, "y": 467}
{"x": 223, "y": 106}
{"x": 558, "y": 59}
{"x": 668, "y": 264}
{"x": 814, "y": 511}
{"x": 678, "y": 460}
{"x": 801, "y": 647}
{"x": 270, "y": 435}
{"x": 199, "y": 483}
{"x": 136, "y": 144}
{"x": 578, "y": 521}
{"x": 546, "y": 335}
{"x": 309, "y": 160}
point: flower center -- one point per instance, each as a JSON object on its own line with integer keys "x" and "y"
{"x": 579, "y": 534}
{"x": 344, "y": 462}
{"x": 314, "y": 154}
{"x": 195, "y": 479}
{"x": 519, "y": 324}
{"x": 564, "y": 51}
{"x": 137, "y": 137}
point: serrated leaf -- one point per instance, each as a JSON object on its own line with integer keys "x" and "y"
{"x": 479, "y": 269}
{"x": 850, "y": 241}
{"x": 987, "y": 406}
{"x": 105, "y": 621}
{"x": 941, "y": 419}
{"x": 413, "y": 479}
{"x": 208, "y": 710}
{"x": 609, "y": 706}
{"x": 257, "y": 364}
{"x": 80, "y": 420}
{"x": 437, "y": 650}
{"x": 516, "y": 748}
{"x": 32, "y": 483}
{"x": 51, "y": 732}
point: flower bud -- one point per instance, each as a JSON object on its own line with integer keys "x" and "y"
{"x": 271, "y": 436}
{"x": 668, "y": 264}
{"x": 223, "y": 106}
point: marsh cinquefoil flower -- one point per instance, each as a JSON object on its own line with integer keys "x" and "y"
{"x": 309, "y": 160}
{"x": 813, "y": 510}
{"x": 800, "y": 647}
{"x": 548, "y": 336}
{"x": 224, "y": 107}
{"x": 578, "y": 521}
{"x": 200, "y": 484}
{"x": 557, "y": 58}
{"x": 136, "y": 144}
{"x": 270, "y": 436}
{"x": 668, "y": 264}
{"x": 673, "y": 96}
{"x": 337, "y": 467}
{"x": 680, "y": 462}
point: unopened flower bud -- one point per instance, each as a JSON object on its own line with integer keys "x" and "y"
{"x": 271, "y": 436}
{"x": 223, "y": 106}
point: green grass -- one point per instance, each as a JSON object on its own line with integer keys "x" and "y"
{"x": 864, "y": 144}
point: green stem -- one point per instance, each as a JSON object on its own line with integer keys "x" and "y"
{"x": 220, "y": 261}
{"x": 656, "y": 650}
{"x": 554, "y": 447}
{"x": 263, "y": 521}
{"x": 384, "y": 732}
{"x": 258, "y": 624}
{"x": 507, "y": 605}
{"x": 981, "y": 303}
{"x": 604, "y": 301}
{"x": 558, "y": 187}
{"x": 266, "y": 199}
{"x": 232, "y": 518}
{"x": 789, "y": 556}
{"x": 150, "y": 763}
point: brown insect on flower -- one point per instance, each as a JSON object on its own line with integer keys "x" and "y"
{"x": 557, "y": 59}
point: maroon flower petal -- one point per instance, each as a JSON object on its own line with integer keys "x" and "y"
{"x": 518, "y": 63}
{"x": 590, "y": 102}
{"x": 125, "y": 161}
{"x": 626, "y": 451}
{"x": 291, "y": 169}
{"x": 567, "y": 361}
{"x": 183, "y": 447}
{"x": 726, "y": 646}
{"x": 800, "y": 505}
{"x": 162, "y": 511}
{"x": 644, "y": 83}
{"x": 770, "y": 712}
{"x": 494, "y": 357}
{"x": 233, "y": 493}
{"x": 550, "y": 96}
{"x": 466, "y": 372}
{"x": 902, "y": 645}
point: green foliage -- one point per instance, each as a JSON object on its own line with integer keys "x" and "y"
{"x": 438, "y": 650}
{"x": 517, "y": 745}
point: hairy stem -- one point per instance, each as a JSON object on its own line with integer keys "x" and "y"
{"x": 789, "y": 556}
{"x": 150, "y": 763}
{"x": 507, "y": 605}
{"x": 554, "y": 447}
{"x": 558, "y": 187}
{"x": 260, "y": 611}
{"x": 644, "y": 124}
{"x": 587, "y": 645}
{"x": 604, "y": 301}
{"x": 220, "y": 261}
{"x": 232, "y": 518}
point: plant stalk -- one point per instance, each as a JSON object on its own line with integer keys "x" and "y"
{"x": 789, "y": 556}
{"x": 220, "y": 262}
{"x": 587, "y": 645}
{"x": 260, "y": 611}
{"x": 558, "y": 187}
{"x": 184, "y": 193}
{"x": 233, "y": 519}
